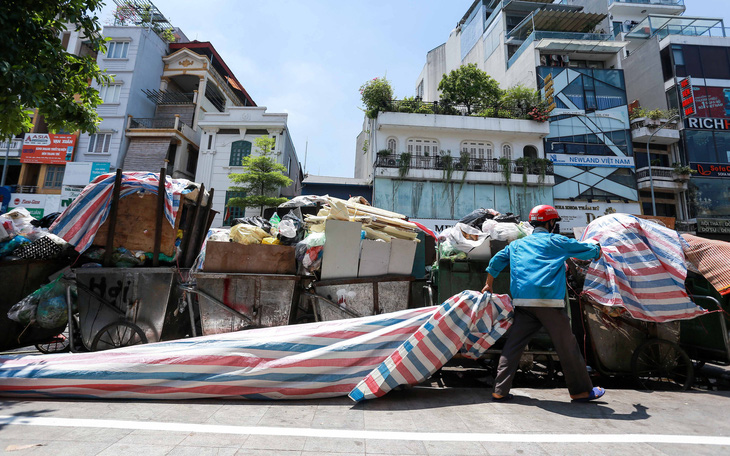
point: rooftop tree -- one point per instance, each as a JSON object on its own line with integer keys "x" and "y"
{"x": 261, "y": 178}
{"x": 377, "y": 95}
{"x": 37, "y": 72}
{"x": 469, "y": 86}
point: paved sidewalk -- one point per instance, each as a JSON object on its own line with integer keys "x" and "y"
{"x": 418, "y": 421}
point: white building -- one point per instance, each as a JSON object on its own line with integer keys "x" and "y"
{"x": 228, "y": 137}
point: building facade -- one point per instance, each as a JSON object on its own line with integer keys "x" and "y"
{"x": 563, "y": 51}
{"x": 228, "y": 137}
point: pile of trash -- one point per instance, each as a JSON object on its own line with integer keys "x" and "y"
{"x": 471, "y": 236}
{"x": 46, "y": 307}
{"x": 23, "y": 237}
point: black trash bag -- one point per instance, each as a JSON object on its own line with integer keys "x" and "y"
{"x": 508, "y": 218}
{"x": 255, "y": 221}
{"x": 291, "y": 229}
{"x": 477, "y": 217}
{"x": 46, "y": 221}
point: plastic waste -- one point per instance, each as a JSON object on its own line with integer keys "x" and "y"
{"x": 509, "y": 217}
{"x": 270, "y": 241}
{"x": 304, "y": 201}
{"x": 506, "y": 232}
{"x": 477, "y": 217}
{"x": 463, "y": 238}
{"x": 254, "y": 221}
{"x": 248, "y": 234}
{"x": 291, "y": 229}
{"x": 123, "y": 258}
{"x": 25, "y": 310}
{"x": 52, "y": 311}
{"x": 8, "y": 247}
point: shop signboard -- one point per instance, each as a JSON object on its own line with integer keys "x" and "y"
{"x": 707, "y": 123}
{"x": 47, "y": 148}
{"x": 81, "y": 173}
{"x": 713, "y": 226}
{"x": 36, "y": 204}
{"x": 97, "y": 169}
{"x": 68, "y": 194}
{"x": 594, "y": 161}
{"x": 575, "y": 214}
{"x": 436, "y": 225}
{"x": 711, "y": 169}
{"x": 712, "y": 101}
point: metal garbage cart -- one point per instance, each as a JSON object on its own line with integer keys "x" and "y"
{"x": 351, "y": 298}
{"x": 118, "y": 307}
{"x": 229, "y": 302}
{"x": 19, "y": 279}
{"x": 706, "y": 338}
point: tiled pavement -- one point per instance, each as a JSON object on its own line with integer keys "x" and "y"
{"x": 335, "y": 426}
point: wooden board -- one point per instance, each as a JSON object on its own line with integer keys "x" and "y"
{"x": 136, "y": 226}
{"x": 259, "y": 259}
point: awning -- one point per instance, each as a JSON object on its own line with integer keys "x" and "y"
{"x": 675, "y": 25}
{"x": 557, "y": 21}
{"x": 560, "y": 46}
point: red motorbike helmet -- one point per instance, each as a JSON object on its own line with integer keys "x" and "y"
{"x": 544, "y": 213}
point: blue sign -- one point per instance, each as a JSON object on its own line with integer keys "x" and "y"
{"x": 97, "y": 169}
{"x": 4, "y": 199}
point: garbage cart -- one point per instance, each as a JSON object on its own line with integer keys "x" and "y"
{"x": 706, "y": 338}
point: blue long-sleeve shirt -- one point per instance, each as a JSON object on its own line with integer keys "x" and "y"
{"x": 537, "y": 266}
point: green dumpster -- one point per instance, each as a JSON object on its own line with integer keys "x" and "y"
{"x": 706, "y": 338}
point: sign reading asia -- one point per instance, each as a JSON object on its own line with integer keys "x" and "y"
{"x": 713, "y": 226}
{"x": 47, "y": 148}
{"x": 711, "y": 169}
{"x": 594, "y": 161}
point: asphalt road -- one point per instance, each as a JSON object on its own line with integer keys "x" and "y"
{"x": 415, "y": 421}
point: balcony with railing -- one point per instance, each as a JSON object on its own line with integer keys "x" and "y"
{"x": 640, "y": 8}
{"x": 16, "y": 145}
{"x": 145, "y": 126}
{"x": 570, "y": 42}
{"x": 659, "y": 131}
{"x": 663, "y": 178}
{"x": 663, "y": 25}
{"x": 435, "y": 167}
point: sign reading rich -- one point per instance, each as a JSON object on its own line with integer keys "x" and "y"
{"x": 47, "y": 148}
{"x": 707, "y": 123}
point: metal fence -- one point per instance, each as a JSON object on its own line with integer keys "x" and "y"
{"x": 155, "y": 122}
{"x": 472, "y": 164}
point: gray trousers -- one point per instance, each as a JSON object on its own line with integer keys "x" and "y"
{"x": 528, "y": 321}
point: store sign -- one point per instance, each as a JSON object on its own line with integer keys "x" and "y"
{"x": 576, "y": 214}
{"x": 81, "y": 173}
{"x": 595, "y": 161}
{"x": 713, "y": 226}
{"x": 47, "y": 148}
{"x": 68, "y": 194}
{"x": 686, "y": 97}
{"x": 712, "y": 101}
{"x": 550, "y": 92}
{"x": 707, "y": 123}
{"x": 97, "y": 169}
{"x": 36, "y": 204}
{"x": 711, "y": 169}
{"x": 436, "y": 225}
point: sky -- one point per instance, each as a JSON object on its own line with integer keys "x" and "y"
{"x": 308, "y": 58}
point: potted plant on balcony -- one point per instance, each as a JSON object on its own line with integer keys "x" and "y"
{"x": 682, "y": 173}
{"x": 506, "y": 166}
{"x": 523, "y": 164}
{"x": 404, "y": 164}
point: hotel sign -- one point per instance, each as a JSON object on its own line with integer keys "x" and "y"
{"x": 594, "y": 161}
{"x": 707, "y": 123}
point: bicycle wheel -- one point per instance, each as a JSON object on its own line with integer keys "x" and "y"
{"x": 118, "y": 334}
{"x": 660, "y": 364}
{"x": 58, "y": 344}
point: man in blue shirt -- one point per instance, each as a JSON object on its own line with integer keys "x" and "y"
{"x": 537, "y": 285}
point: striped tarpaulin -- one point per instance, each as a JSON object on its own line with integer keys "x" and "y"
{"x": 466, "y": 323}
{"x": 81, "y": 220}
{"x": 712, "y": 260}
{"x": 300, "y": 361}
{"x": 642, "y": 269}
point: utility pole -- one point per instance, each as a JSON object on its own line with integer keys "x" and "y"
{"x": 648, "y": 158}
{"x": 5, "y": 165}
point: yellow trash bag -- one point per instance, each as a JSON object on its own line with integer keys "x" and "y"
{"x": 270, "y": 241}
{"x": 248, "y": 234}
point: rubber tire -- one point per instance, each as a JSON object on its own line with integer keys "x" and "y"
{"x": 122, "y": 341}
{"x": 658, "y": 362}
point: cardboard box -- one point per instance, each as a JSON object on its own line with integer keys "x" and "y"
{"x": 341, "y": 254}
{"x": 402, "y": 253}
{"x": 259, "y": 259}
{"x": 374, "y": 258}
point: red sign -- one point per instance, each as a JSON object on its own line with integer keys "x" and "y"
{"x": 47, "y": 148}
{"x": 713, "y": 102}
{"x": 687, "y": 97}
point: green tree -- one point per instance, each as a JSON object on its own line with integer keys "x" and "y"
{"x": 36, "y": 72}
{"x": 262, "y": 176}
{"x": 470, "y": 86}
{"x": 520, "y": 98}
{"x": 377, "y": 95}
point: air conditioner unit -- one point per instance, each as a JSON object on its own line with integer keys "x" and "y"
{"x": 392, "y": 162}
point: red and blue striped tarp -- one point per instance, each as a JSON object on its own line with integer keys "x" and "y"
{"x": 81, "y": 220}
{"x": 289, "y": 362}
{"x": 642, "y": 269}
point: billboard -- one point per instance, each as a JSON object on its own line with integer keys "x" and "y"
{"x": 47, "y": 148}
{"x": 712, "y": 101}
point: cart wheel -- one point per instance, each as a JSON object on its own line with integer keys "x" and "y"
{"x": 660, "y": 364}
{"x": 118, "y": 334}
{"x": 59, "y": 344}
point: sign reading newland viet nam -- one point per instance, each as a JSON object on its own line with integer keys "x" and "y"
{"x": 47, "y": 148}
{"x": 594, "y": 161}
{"x": 713, "y": 226}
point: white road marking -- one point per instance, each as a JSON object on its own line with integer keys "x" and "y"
{"x": 363, "y": 434}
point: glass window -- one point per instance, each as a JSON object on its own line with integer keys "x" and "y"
{"x": 678, "y": 55}
{"x": 709, "y": 197}
{"x": 700, "y": 146}
{"x": 692, "y": 62}
{"x": 239, "y": 150}
{"x": 110, "y": 93}
{"x": 722, "y": 144}
{"x": 54, "y": 176}
{"x": 233, "y": 212}
{"x": 99, "y": 143}
{"x": 422, "y": 146}
{"x": 392, "y": 145}
{"x": 117, "y": 50}
{"x": 507, "y": 151}
{"x": 715, "y": 62}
